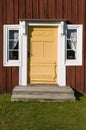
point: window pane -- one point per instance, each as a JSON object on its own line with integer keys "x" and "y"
{"x": 71, "y": 43}
{"x": 68, "y": 44}
{"x": 70, "y": 54}
{"x": 72, "y": 37}
{"x": 13, "y": 55}
{"x": 72, "y": 33}
{"x": 13, "y": 34}
{"x": 13, "y": 45}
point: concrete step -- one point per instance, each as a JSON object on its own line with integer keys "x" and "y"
{"x": 58, "y": 97}
{"x": 42, "y": 92}
{"x": 42, "y": 89}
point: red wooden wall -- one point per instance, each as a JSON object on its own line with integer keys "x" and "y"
{"x": 13, "y": 10}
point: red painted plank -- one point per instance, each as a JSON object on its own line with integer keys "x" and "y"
{"x": 1, "y": 72}
{"x": 10, "y": 12}
{"x": 15, "y": 77}
{"x": 52, "y": 9}
{"x": 10, "y": 20}
{"x": 70, "y": 76}
{"x": 80, "y": 70}
{"x": 80, "y": 78}
{"x": 59, "y": 9}
{"x": 74, "y": 11}
{"x": 12, "y": 9}
{"x": 81, "y": 11}
{"x": 22, "y": 10}
{"x": 35, "y": 9}
{"x": 70, "y": 70}
{"x": 67, "y": 10}
{"x": 76, "y": 79}
{"x": 2, "y": 76}
{"x": 28, "y": 9}
{"x": 4, "y": 69}
{"x": 9, "y": 79}
{"x": 43, "y": 9}
{"x": 4, "y": 11}
{"x": 15, "y": 70}
{"x": 85, "y": 55}
{"x": 1, "y": 23}
{"x": 16, "y": 11}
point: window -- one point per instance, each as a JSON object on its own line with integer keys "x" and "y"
{"x": 12, "y": 45}
{"x": 13, "y": 48}
{"x": 74, "y": 45}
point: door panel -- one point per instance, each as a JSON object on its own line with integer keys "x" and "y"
{"x": 42, "y": 67}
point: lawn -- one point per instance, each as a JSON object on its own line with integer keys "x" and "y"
{"x": 35, "y": 115}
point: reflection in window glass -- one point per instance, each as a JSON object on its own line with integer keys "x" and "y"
{"x": 70, "y": 54}
{"x": 13, "y": 55}
{"x": 71, "y": 43}
{"x": 13, "y": 44}
{"x": 12, "y": 33}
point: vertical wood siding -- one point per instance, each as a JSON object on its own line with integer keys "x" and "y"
{"x": 13, "y": 10}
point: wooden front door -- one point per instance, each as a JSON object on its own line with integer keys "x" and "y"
{"x": 42, "y": 55}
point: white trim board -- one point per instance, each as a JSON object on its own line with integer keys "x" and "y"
{"x": 61, "y": 52}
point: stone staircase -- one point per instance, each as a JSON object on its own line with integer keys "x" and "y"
{"x": 42, "y": 92}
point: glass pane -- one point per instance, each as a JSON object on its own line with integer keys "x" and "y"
{"x": 71, "y": 43}
{"x": 13, "y": 34}
{"x": 68, "y": 44}
{"x": 13, "y": 45}
{"x": 13, "y": 55}
{"x": 72, "y": 33}
{"x": 70, "y": 54}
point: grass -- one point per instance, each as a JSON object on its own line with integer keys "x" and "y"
{"x": 35, "y": 115}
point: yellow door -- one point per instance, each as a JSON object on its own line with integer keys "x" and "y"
{"x": 42, "y": 55}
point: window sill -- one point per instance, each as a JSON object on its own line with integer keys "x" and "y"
{"x": 73, "y": 63}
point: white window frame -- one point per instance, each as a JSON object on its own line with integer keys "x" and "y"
{"x": 6, "y": 61}
{"x": 78, "y": 60}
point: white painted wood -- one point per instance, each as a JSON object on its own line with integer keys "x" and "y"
{"x": 43, "y": 24}
{"x": 62, "y": 27}
{"x": 61, "y": 58}
{"x": 6, "y": 61}
{"x": 23, "y": 68}
{"x": 78, "y": 60}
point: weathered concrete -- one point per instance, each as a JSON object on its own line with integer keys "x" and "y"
{"x": 42, "y": 92}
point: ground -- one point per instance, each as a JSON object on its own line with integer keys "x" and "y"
{"x": 35, "y": 115}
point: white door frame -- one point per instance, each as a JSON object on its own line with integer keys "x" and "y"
{"x": 61, "y": 50}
